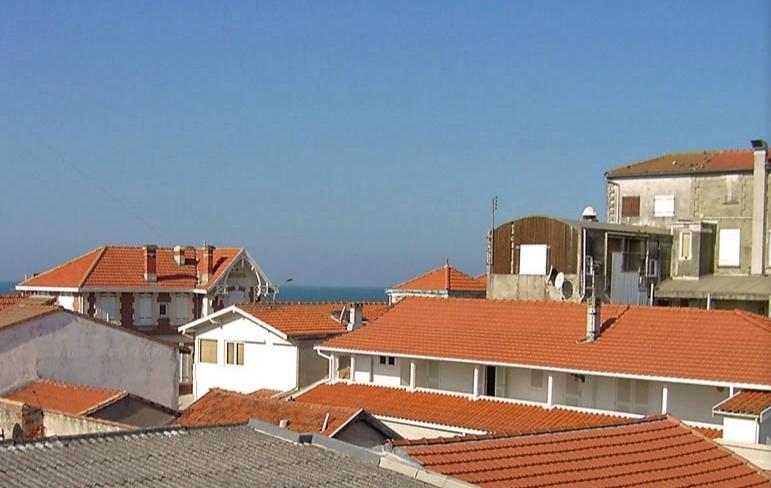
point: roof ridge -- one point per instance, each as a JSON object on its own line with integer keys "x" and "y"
{"x": 92, "y": 267}
{"x": 458, "y": 439}
{"x": 79, "y": 256}
{"x": 322, "y": 302}
{"x": 758, "y": 321}
{"x": 419, "y": 276}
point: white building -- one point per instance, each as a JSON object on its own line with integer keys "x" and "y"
{"x": 636, "y": 361}
{"x": 45, "y": 341}
{"x": 269, "y": 345}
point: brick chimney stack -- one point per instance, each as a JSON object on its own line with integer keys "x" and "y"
{"x": 150, "y": 270}
{"x": 447, "y": 274}
{"x": 207, "y": 263}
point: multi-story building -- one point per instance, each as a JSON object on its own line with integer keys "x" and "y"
{"x": 152, "y": 289}
{"x": 716, "y": 205}
{"x": 547, "y": 258}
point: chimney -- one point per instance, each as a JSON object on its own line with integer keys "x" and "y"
{"x": 283, "y": 423}
{"x": 179, "y": 255}
{"x": 447, "y": 274}
{"x": 150, "y": 273}
{"x": 207, "y": 263}
{"x": 593, "y": 318}
{"x": 759, "y": 178}
{"x": 355, "y": 316}
{"x": 32, "y": 426}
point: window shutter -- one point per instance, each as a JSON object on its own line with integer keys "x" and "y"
{"x": 630, "y": 206}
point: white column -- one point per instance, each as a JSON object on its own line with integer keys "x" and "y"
{"x": 731, "y": 391}
{"x": 331, "y": 368}
{"x": 352, "y": 369}
{"x": 665, "y": 399}
{"x": 335, "y": 367}
{"x": 476, "y": 380}
{"x": 550, "y": 390}
{"x": 413, "y": 373}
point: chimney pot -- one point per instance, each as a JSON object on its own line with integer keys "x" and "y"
{"x": 150, "y": 263}
{"x": 355, "y": 316}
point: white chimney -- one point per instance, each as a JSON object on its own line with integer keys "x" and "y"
{"x": 593, "y": 318}
{"x": 355, "y": 316}
{"x": 759, "y": 190}
{"x": 179, "y": 255}
{"x": 283, "y": 423}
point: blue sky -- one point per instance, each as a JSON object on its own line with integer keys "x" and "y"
{"x": 350, "y": 143}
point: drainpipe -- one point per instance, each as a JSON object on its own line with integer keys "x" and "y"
{"x": 759, "y": 198}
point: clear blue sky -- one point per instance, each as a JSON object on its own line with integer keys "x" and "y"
{"x": 352, "y": 142}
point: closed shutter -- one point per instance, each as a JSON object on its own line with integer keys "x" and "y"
{"x": 729, "y": 247}
{"x": 630, "y": 206}
{"x": 207, "y": 351}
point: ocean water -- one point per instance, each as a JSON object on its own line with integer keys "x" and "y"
{"x": 298, "y": 293}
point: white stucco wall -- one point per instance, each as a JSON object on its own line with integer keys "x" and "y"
{"x": 68, "y": 347}
{"x": 385, "y": 374}
{"x": 363, "y": 371}
{"x": 269, "y": 361}
{"x": 58, "y": 423}
{"x": 738, "y": 429}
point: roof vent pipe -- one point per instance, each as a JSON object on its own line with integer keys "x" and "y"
{"x": 593, "y": 318}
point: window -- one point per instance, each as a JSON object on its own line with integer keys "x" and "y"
{"x": 664, "y": 206}
{"x": 532, "y": 259}
{"x": 729, "y": 247}
{"x": 630, "y": 206}
{"x": 632, "y": 396}
{"x": 387, "y": 360}
{"x": 686, "y": 239}
{"x": 536, "y": 379}
{"x": 144, "y": 310}
{"x": 234, "y": 353}
{"x": 207, "y": 351}
{"x": 107, "y": 306}
{"x": 163, "y": 310}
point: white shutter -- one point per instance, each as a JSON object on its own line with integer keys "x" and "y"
{"x": 532, "y": 259}
{"x": 729, "y": 247}
{"x": 664, "y": 206}
{"x": 144, "y": 310}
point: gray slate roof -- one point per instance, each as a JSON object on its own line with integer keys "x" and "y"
{"x": 207, "y": 457}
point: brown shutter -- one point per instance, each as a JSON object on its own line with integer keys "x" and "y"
{"x": 630, "y": 206}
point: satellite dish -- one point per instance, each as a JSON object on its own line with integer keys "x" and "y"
{"x": 559, "y": 280}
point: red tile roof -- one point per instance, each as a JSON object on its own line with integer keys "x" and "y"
{"x": 640, "y": 340}
{"x": 655, "y": 451}
{"x": 451, "y": 410}
{"x": 24, "y": 311}
{"x": 222, "y": 407}
{"x": 688, "y": 163}
{"x": 305, "y": 319}
{"x": 123, "y": 267}
{"x": 65, "y": 397}
{"x": 10, "y": 300}
{"x": 444, "y": 278}
{"x": 746, "y": 402}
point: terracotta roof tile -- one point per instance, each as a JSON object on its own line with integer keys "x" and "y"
{"x": 655, "y": 451}
{"x": 688, "y": 163}
{"x": 746, "y": 402}
{"x": 304, "y": 319}
{"x": 24, "y": 311}
{"x": 64, "y": 397}
{"x": 123, "y": 267}
{"x": 451, "y": 410}
{"x": 444, "y": 278}
{"x": 641, "y": 340}
{"x": 222, "y": 407}
{"x": 10, "y": 300}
